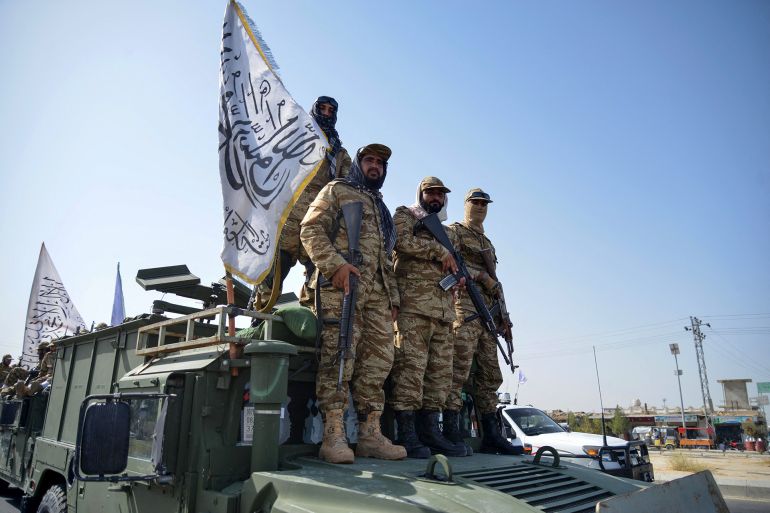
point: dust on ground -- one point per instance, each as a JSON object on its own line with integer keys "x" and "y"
{"x": 731, "y": 464}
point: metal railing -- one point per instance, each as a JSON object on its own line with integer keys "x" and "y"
{"x": 190, "y": 337}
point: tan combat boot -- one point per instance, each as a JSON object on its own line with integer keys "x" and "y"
{"x": 373, "y": 444}
{"x": 334, "y": 447}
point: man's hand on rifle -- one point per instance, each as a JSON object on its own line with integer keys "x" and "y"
{"x": 341, "y": 277}
{"x": 449, "y": 265}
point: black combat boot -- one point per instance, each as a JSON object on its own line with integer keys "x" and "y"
{"x": 430, "y": 435}
{"x": 492, "y": 441}
{"x": 451, "y": 424}
{"x": 407, "y": 436}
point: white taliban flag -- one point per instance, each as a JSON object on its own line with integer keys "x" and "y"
{"x": 269, "y": 149}
{"x": 50, "y": 313}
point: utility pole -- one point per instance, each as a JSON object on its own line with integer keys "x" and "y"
{"x": 698, "y": 336}
{"x": 675, "y": 351}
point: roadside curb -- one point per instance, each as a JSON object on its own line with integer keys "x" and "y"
{"x": 732, "y": 488}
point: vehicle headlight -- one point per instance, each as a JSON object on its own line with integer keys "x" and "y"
{"x": 594, "y": 451}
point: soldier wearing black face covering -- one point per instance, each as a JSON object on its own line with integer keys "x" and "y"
{"x": 336, "y": 165}
{"x": 471, "y": 338}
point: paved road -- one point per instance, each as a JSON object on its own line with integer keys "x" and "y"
{"x": 9, "y": 503}
{"x": 9, "y": 500}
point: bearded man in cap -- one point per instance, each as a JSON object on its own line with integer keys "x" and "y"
{"x": 5, "y": 367}
{"x": 335, "y": 165}
{"x": 324, "y": 236}
{"x": 422, "y": 370}
{"x": 471, "y": 338}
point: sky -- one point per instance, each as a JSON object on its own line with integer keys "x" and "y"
{"x": 626, "y": 146}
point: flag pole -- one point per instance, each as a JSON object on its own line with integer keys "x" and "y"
{"x": 516, "y": 396}
{"x": 231, "y": 321}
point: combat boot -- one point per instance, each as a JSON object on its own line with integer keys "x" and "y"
{"x": 407, "y": 436}
{"x": 430, "y": 435}
{"x": 372, "y": 443}
{"x": 493, "y": 442}
{"x": 334, "y": 447}
{"x": 451, "y": 425}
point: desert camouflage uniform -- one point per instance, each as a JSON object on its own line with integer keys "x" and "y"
{"x": 372, "y": 342}
{"x": 422, "y": 370}
{"x": 471, "y": 337}
{"x": 17, "y": 374}
{"x": 4, "y": 371}
{"x": 290, "y": 241}
{"x": 36, "y": 385}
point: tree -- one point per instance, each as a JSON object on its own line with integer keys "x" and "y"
{"x": 749, "y": 428}
{"x": 620, "y": 422}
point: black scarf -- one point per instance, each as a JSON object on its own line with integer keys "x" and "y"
{"x": 327, "y": 124}
{"x": 357, "y": 179}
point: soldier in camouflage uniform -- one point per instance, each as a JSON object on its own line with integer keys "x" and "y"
{"x": 471, "y": 337}
{"x": 422, "y": 370}
{"x": 5, "y": 367}
{"x": 45, "y": 371}
{"x": 324, "y": 236}
{"x": 335, "y": 165}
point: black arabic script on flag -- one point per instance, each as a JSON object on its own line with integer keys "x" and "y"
{"x": 262, "y": 140}
{"x": 51, "y": 314}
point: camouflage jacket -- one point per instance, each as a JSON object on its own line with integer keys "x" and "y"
{"x": 417, "y": 258}
{"x": 321, "y": 178}
{"x": 324, "y": 217}
{"x": 4, "y": 371}
{"x": 46, "y": 366}
{"x": 469, "y": 243}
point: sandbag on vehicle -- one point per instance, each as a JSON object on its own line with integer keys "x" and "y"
{"x": 297, "y": 326}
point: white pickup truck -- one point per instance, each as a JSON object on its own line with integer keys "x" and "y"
{"x": 534, "y": 429}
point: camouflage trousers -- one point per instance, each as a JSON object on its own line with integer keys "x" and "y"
{"x": 422, "y": 368}
{"x": 372, "y": 346}
{"x": 471, "y": 338}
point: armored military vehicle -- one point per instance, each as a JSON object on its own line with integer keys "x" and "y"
{"x": 161, "y": 415}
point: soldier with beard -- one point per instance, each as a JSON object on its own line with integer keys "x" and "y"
{"x": 471, "y": 337}
{"x": 324, "y": 236}
{"x": 422, "y": 370}
{"x": 335, "y": 165}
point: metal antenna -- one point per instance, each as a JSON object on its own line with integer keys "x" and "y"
{"x": 601, "y": 402}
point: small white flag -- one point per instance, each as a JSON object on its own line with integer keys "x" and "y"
{"x": 269, "y": 148}
{"x": 522, "y": 377}
{"x": 50, "y": 313}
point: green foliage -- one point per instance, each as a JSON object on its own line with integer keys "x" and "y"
{"x": 583, "y": 423}
{"x": 619, "y": 423}
{"x": 749, "y": 428}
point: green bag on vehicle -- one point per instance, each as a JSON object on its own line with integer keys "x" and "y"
{"x": 297, "y": 326}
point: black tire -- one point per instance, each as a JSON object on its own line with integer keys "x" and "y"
{"x": 54, "y": 500}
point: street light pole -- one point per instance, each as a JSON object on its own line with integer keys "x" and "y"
{"x": 675, "y": 351}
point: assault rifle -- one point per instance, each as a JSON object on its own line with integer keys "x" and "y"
{"x": 432, "y": 223}
{"x": 500, "y": 306}
{"x": 351, "y": 212}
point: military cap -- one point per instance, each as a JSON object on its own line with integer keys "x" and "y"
{"x": 477, "y": 194}
{"x": 43, "y": 345}
{"x": 5, "y": 357}
{"x": 431, "y": 182}
{"x": 379, "y": 150}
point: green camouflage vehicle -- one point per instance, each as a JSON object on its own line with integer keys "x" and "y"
{"x": 156, "y": 416}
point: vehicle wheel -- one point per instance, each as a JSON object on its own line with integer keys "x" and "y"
{"x": 669, "y": 447}
{"x": 54, "y": 500}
